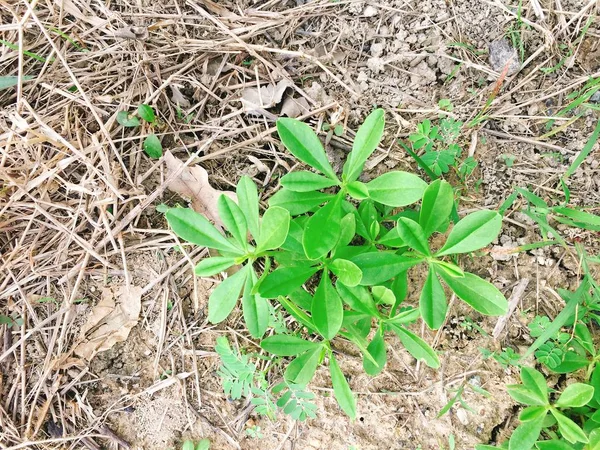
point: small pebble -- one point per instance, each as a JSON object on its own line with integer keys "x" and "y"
{"x": 370, "y": 11}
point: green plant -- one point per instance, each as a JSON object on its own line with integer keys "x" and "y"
{"x": 11, "y": 321}
{"x": 151, "y": 145}
{"x": 569, "y": 421}
{"x": 241, "y": 379}
{"x": 254, "y": 432}
{"x": 439, "y": 146}
{"x": 335, "y": 254}
{"x": 203, "y": 444}
{"x": 507, "y": 357}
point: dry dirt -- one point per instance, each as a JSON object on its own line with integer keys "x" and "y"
{"x": 78, "y": 202}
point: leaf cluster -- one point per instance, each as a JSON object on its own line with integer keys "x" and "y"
{"x": 335, "y": 251}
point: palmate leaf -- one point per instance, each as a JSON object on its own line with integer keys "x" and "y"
{"x": 436, "y": 206}
{"x": 255, "y": 308}
{"x": 247, "y": 196}
{"x": 304, "y": 144}
{"x": 223, "y": 299}
{"x": 396, "y": 188}
{"x": 323, "y": 229}
{"x": 473, "y": 232}
{"x": 432, "y": 303}
{"x": 195, "y": 228}
{"x": 341, "y": 389}
{"x": 327, "y": 308}
{"x": 478, "y": 293}
{"x": 366, "y": 141}
{"x": 234, "y": 220}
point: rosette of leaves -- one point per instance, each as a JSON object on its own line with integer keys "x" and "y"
{"x": 570, "y": 422}
{"x": 339, "y": 262}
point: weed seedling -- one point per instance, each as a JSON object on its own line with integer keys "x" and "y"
{"x": 151, "y": 145}
{"x": 335, "y": 252}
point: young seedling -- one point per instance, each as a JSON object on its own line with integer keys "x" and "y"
{"x": 334, "y": 252}
{"x": 151, "y": 145}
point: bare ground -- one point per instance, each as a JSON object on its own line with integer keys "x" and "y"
{"x": 78, "y": 199}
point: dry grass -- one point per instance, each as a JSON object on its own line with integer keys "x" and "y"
{"x": 77, "y": 193}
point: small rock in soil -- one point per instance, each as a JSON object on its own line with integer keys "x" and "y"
{"x": 501, "y": 53}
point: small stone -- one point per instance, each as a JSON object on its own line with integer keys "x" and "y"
{"x": 595, "y": 98}
{"x": 501, "y": 54}
{"x": 370, "y": 11}
{"x": 462, "y": 416}
{"x": 377, "y": 49}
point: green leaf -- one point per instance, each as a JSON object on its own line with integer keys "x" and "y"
{"x": 451, "y": 269}
{"x": 406, "y": 316}
{"x": 297, "y": 313}
{"x": 525, "y": 395}
{"x": 481, "y": 295}
{"x": 357, "y": 190}
{"x": 285, "y": 280}
{"x": 575, "y": 395}
{"x": 203, "y": 444}
{"x": 555, "y": 445}
{"x": 152, "y": 146}
{"x": 569, "y": 429}
{"x": 194, "y": 228}
{"x": 436, "y": 206}
{"x": 11, "y": 80}
{"x": 346, "y": 271}
{"x": 366, "y": 141}
{"x": 223, "y": 299}
{"x": 247, "y": 196}
{"x": 358, "y": 298}
{"x": 416, "y": 346}
{"x": 212, "y": 266}
{"x": 341, "y": 389}
{"x": 473, "y": 232}
{"x": 594, "y": 440}
{"x": 302, "y": 369}
{"x": 301, "y": 298}
{"x": 188, "y": 445}
{"x": 323, "y": 229}
{"x": 348, "y": 226}
{"x": 533, "y": 413}
{"x": 299, "y": 202}
{"x": 146, "y": 112}
{"x": 303, "y": 143}
{"x": 378, "y": 267}
{"x": 412, "y": 234}
{"x": 396, "y": 188}
{"x": 383, "y": 296}
{"x": 595, "y": 382}
{"x": 255, "y": 309}
{"x": 304, "y": 181}
{"x": 234, "y": 220}
{"x": 125, "y": 120}
{"x": 327, "y": 308}
{"x": 432, "y": 303}
{"x": 286, "y": 345}
{"x": 273, "y": 229}
{"x": 526, "y": 434}
{"x": 377, "y": 350}
{"x": 535, "y": 382}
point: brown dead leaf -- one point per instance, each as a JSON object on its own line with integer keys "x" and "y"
{"x": 256, "y": 100}
{"x": 193, "y": 184}
{"x": 140, "y": 33}
{"x": 110, "y": 321}
{"x": 295, "y": 107}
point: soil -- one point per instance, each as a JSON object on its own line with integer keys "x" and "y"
{"x": 160, "y": 386}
